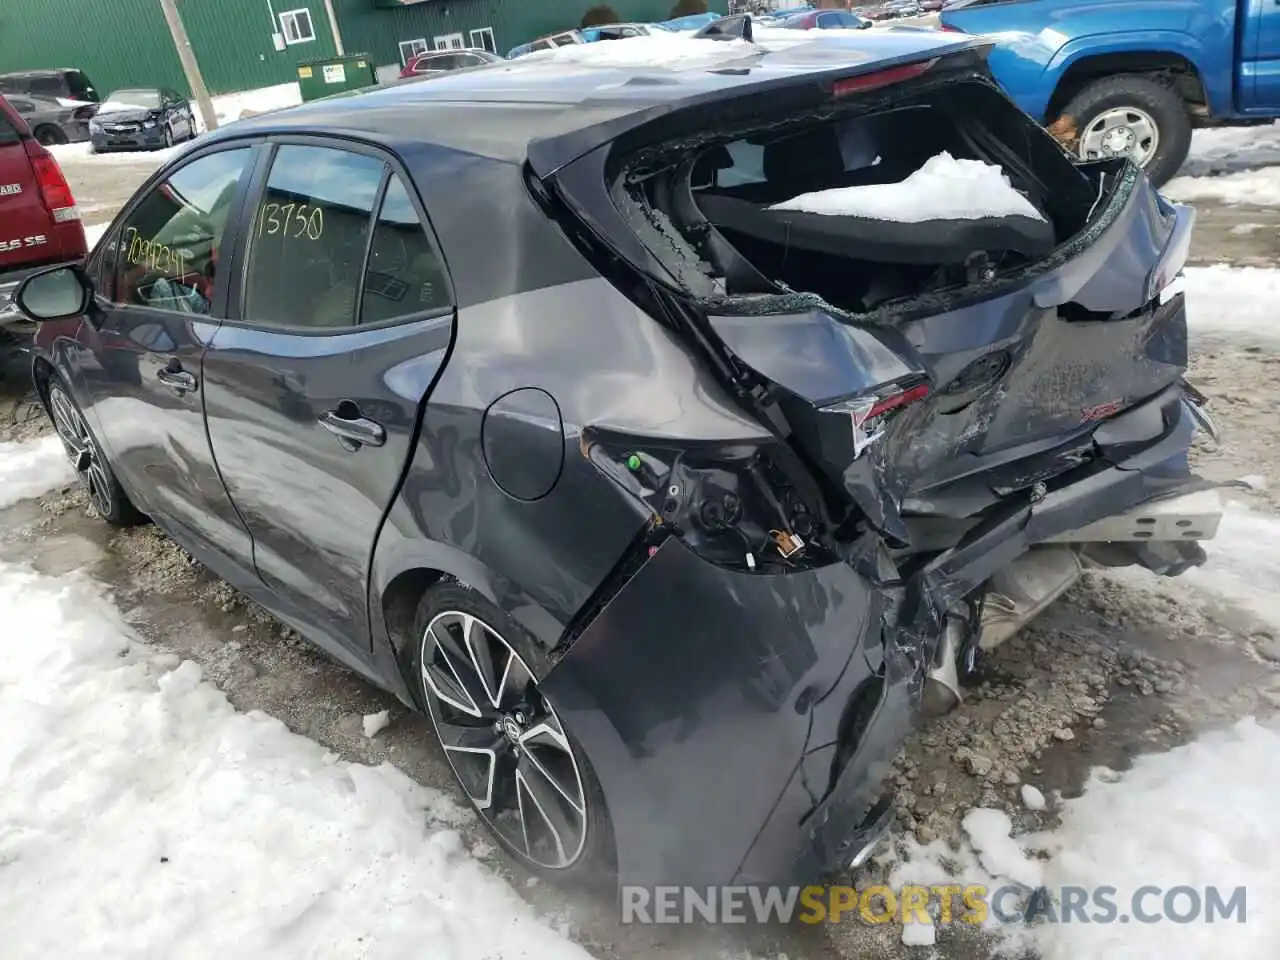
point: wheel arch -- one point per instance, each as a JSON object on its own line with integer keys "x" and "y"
{"x": 404, "y": 570}
{"x": 1172, "y": 62}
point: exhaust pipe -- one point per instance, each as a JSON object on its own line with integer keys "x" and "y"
{"x": 942, "y": 682}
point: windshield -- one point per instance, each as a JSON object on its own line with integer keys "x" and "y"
{"x": 131, "y": 100}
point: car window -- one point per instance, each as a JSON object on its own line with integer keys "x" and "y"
{"x": 80, "y": 87}
{"x": 309, "y": 238}
{"x": 167, "y": 255}
{"x": 47, "y": 87}
{"x": 406, "y": 273}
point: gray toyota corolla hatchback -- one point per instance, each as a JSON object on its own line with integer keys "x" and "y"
{"x": 516, "y": 393}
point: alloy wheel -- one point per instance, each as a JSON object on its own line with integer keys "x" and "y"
{"x": 504, "y": 741}
{"x": 81, "y": 450}
{"x": 168, "y": 136}
{"x": 1119, "y": 132}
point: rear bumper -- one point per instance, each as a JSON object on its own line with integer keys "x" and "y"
{"x": 743, "y": 726}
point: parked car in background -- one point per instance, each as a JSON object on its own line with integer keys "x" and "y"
{"x": 694, "y": 21}
{"x": 664, "y": 505}
{"x": 620, "y": 31}
{"x": 549, "y": 42}
{"x": 61, "y": 84}
{"x": 436, "y": 62}
{"x": 1133, "y": 78}
{"x": 53, "y": 122}
{"x": 142, "y": 118}
{"x": 39, "y": 222}
{"x": 825, "y": 20}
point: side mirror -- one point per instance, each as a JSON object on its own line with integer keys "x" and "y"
{"x": 56, "y": 294}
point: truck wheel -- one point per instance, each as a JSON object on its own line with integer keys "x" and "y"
{"x": 1132, "y": 115}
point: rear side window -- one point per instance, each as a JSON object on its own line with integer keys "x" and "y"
{"x": 406, "y": 274}
{"x": 310, "y": 235}
{"x": 48, "y": 87}
{"x": 167, "y": 254}
{"x": 80, "y": 87}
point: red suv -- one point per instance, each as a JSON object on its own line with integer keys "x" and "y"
{"x": 39, "y": 222}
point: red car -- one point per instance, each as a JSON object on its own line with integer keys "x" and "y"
{"x": 446, "y": 61}
{"x": 39, "y": 222}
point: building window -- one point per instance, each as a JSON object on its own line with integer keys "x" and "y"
{"x": 296, "y": 26}
{"x": 482, "y": 39}
{"x": 450, "y": 41}
{"x": 412, "y": 48}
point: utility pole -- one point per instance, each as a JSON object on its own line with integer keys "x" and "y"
{"x": 333, "y": 25}
{"x": 189, "y": 65}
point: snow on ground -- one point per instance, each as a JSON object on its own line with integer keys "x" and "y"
{"x": 1225, "y": 149}
{"x": 1260, "y": 187}
{"x": 81, "y": 153}
{"x": 1224, "y": 300}
{"x": 1244, "y": 563}
{"x": 1198, "y": 816}
{"x": 31, "y": 469}
{"x": 945, "y": 188}
{"x": 142, "y": 816}
{"x": 659, "y": 50}
{"x": 93, "y": 234}
{"x": 1231, "y": 165}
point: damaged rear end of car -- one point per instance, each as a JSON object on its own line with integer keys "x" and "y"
{"x": 959, "y": 411}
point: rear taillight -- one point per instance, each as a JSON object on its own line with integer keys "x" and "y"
{"x": 946, "y": 27}
{"x": 735, "y": 505}
{"x": 85, "y": 113}
{"x": 54, "y": 189}
{"x": 881, "y": 78}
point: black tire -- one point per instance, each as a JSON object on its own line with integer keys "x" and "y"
{"x": 169, "y": 139}
{"x": 91, "y": 465}
{"x": 49, "y": 136}
{"x": 594, "y": 861}
{"x": 1163, "y": 105}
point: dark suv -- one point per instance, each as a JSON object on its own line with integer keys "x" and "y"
{"x": 61, "y": 84}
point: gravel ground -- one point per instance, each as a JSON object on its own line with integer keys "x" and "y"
{"x": 1121, "y": 665}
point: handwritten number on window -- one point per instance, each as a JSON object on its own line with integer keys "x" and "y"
{"x": 300, "y": 220}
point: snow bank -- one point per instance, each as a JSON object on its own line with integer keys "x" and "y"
{"x": 1223, "y": 300}
{"x": 1260, "y": 187}
{"x": 143, "y": 817}
{"x": 31, "y": 469}
{"x": 1243, "y": 563}
{"x": 1199, "y": 816}
{"x": 659, "y": 50}
{"x": 945, "y": 188}
{"x": 81, "y": 153}
{"x": 236, "y": 106}
{"x": 93, "y": 234}
{"x": 1227, "y": 149}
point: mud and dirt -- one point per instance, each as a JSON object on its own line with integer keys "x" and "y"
{"x": 1119, "y": 666}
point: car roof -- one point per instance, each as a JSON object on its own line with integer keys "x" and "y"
{"x": 55, "y": 72}
{"x": 551, "y": 110}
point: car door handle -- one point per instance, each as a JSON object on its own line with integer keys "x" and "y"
{"x": 352, "y": 429}
{"x": 176, "y": 378}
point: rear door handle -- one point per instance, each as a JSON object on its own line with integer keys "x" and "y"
{"x": 353, "y": 429}
{"x": 174, "y": 377}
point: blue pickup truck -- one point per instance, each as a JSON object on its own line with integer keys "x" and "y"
{"x": 1133, "y": 76}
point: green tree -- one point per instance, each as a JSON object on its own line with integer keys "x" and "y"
{"x": 600, "y": 13}
{"x": 687, "y": 8}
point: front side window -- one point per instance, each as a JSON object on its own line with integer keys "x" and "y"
{"x": 309, "y": 237}
{"x": 406, "y": 273}
{"x": 167, "y": 252}
{"x": 296, "y": 26}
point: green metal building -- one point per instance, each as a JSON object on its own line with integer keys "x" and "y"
{"x": 244, "y": 44}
